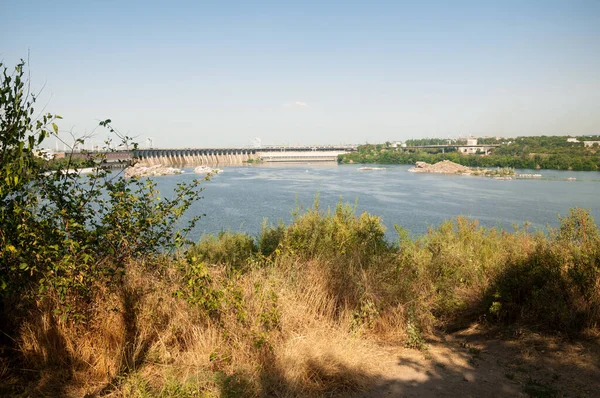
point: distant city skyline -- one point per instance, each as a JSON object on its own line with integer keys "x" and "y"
{"x": 199, "y": 74}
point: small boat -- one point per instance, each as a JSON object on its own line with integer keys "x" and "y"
{"x": 372, "y": 168}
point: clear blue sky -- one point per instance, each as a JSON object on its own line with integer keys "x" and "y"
{"x": 215, "y": 73}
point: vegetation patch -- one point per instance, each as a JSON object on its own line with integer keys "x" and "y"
{"x": 541, "y": 152}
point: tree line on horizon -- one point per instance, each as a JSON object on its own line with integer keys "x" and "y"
{"x": 534, "y": 152}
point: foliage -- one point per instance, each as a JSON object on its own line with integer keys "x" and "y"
{"x": 198, "y": 287}
{"x": 270, "y": 238}
{"x": 455, "y": 273}
{"x": 543, "y": 152}
{"x": 434, "y": 141}
{"x": 227, "y": 248}
{"x": 63, "y": 235}
{"x": 556, "y": 286}
{"x": 327, "y": 235}
{"x": 19, "y": 133}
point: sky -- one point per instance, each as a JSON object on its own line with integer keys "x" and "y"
{"x": 219, "y": 73}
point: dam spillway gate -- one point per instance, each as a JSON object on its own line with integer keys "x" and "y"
{"x": 237, "y": 156}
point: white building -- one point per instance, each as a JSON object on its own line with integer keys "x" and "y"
{"x": 469, "y": 148}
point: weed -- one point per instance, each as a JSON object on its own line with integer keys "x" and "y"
{"x": 234, "y": 385}
{"x": 414, "y": 337}
{"x": 537, "y": 389}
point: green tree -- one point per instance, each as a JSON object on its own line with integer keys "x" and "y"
{"x": 63, "y": 234}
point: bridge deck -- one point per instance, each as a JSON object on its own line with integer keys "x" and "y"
{"x": 451, "y": 146}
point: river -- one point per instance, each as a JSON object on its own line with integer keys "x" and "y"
{"x": 239, "y": 198}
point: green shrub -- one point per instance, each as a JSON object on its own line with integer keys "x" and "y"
{"x": 341, "y": 235}
{"x": 230, "y": 249}
{"x": 63, "y": 235}
{"x": 270, "y": 238}
{"x": 197, "y": 287}
{"x": 556, "y": 287}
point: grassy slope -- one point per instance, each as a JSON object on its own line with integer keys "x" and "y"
{"x": 303, "y": 310}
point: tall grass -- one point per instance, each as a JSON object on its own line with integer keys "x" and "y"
{"x": 299, "y": 310}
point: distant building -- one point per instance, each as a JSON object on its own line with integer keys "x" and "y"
{"x": 591, "y": 143}
{"x": 469, "y": 148}
{"x": 572, "y": 140}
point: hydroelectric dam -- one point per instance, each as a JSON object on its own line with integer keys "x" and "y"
{"x": 227, "y": 156}
{"x": 237, "y": 156}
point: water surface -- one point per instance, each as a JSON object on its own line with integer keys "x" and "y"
{"x": 241, "y": 197}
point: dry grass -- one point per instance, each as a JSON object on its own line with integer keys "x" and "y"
{"x": 290, "y": 341}
{"x": 304, "y": 321}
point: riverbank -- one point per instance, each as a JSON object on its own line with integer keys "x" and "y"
{"x": 326, "y": 307}
{"x": 523, "y": 153}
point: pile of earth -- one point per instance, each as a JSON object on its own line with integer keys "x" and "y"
{"x": 150, "y": 171}
{"x": 443, "y": 167}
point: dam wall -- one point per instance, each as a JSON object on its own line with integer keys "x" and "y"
{"x": 236, "y": 156}
{"x": 299, "y": 156}
{"x": 194, "y": 157}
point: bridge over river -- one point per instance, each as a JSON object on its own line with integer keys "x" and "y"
{"x": 462, "y": 148}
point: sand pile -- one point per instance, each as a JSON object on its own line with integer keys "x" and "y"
{"x": 150, "y": 171}
{"x": 443, "y": 167}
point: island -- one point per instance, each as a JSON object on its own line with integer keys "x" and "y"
{"x": 449, "y": 167}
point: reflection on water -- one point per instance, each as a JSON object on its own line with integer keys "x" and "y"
{"x": 241, "y": 197}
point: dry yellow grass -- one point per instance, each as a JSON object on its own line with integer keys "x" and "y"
{"x": 294, "y": 323}
{"x": 143, "y": 341}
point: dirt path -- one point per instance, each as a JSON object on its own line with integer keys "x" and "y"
{"x": 477, "y": 363}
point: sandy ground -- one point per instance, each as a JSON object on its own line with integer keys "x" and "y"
{"x": 482, "y": 363}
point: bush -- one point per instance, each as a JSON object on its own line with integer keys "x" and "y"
{"x": 231, "y": 249}
{"x": 270, "y": 238}
{"x": 556, "y": 287}
{"x": 66, "y": 237}
{"x": 315, "y": 234}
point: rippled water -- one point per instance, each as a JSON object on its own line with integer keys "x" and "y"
{"x": 241, "y": 197}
